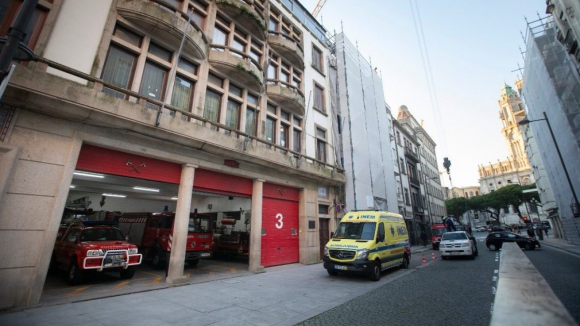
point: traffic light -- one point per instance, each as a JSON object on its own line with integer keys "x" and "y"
{"x": 446, "y": 164}
{"x": 526, "y": 219}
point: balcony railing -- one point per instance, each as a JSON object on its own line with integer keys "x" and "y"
{"x": 238, "y": 65}
{"x": 288, "y": 46}
{"x": 286, "y": 94}
{"x": 157, "y": 12}
{"x": 143, "y": 100}
{"x": 411, "y": 153}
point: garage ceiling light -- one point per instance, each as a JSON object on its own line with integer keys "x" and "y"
{"x": 72, "y": 186}
{"x": 173, "y": 198}
{"x": 115, "y": 195}
{"x": 146, "y": 189}
{"x": 89, "y": 174}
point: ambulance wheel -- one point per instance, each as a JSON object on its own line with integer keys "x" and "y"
{"x": 331, "y": 273}
{"x": 405, "y": 262}
{"x": 74, "y": 276}
{"x": 127, "y": 273}
{"x": 376, "y": 272}
{"x": 192, "y": 262}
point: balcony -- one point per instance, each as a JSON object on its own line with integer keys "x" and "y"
{"x": 286, "y": 95}
{"x": 410, "y": 153}
{"x": 167, "y": 23}
{"x": 287, "y": 47}
{"x": 414, "y": 181}
{"x": 417, "y": 209}
{"x": 238, "y": 66}
{"x": 248, "y": 14}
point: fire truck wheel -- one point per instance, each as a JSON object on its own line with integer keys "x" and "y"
{"x": 127, "y": 273}
{"x": 157, "y": 261}
{"x": 192, "y": 262}
{"x": 75, "y": 276}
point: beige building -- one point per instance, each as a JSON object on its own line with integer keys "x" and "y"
{"x": 204, "y": 101}
{"x": 416, "y": 151}
{"x": 516, "y": 167}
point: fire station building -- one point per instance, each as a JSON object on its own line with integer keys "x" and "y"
{"x": 215, "y": 106}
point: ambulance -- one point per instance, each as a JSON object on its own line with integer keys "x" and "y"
{"x": 368, "y": 242}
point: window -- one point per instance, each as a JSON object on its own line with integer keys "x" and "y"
{"x": 241, "y": 45}
{"x": 212, "y": 104}
{"x": 183, "y": 86}
{"x": 198, "y": 12}
{"x": 9, "y": 11}
{"x": 284, "y": 135}
{"x": 289, "y": 128}
{"x": 118, "y": 70}
{"x": 406, "y": 196}
{"x": 153, "y": 82}
{"x": 317, "y": 59}
{"x": 323, "y": 209}
{"x": 182, "y": 93}
{"x": 270, "y": 130}
{"x": 321, "y": 144}
{"x": 319, "y": 98}
{"x": 135, "y": 61}
{"x": 232, "y": 115}
{"x": 283, "y": 74}
{"x": 279, "y": 25}
{"x": 251, "y": 120}
{"x": 251, "y": 114}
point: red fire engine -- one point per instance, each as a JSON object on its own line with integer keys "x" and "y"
{"x": 93, "y": 245}
{"x": 230, "y": 243}
{"x": 153, "y": 234}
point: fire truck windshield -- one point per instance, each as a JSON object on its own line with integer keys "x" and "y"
{"x": 199, "y": 224}
{"x": 101, "y": 234}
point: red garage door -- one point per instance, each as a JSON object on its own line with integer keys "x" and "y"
{"x": 280, "y": 222}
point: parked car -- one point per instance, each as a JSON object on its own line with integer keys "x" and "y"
{"x": 94, "y": 246}
{"x": 480, "y": 228}
{"x": 495, "y": 229}
{"x": 457, "y": 243}
{"x": 495, "y": 240}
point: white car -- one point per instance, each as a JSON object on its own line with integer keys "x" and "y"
{"x": 457, "y": 243}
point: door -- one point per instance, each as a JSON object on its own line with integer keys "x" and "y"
{"x": 323, "y": 234}
{"x": 280, "y": 241}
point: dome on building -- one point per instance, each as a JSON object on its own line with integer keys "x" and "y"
{"x": 507, "y": 90}
{"x": 403, "y": 112}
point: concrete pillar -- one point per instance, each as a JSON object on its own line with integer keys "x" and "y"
{"x": 256, "y": 228}
{"x": 179, "y": 242}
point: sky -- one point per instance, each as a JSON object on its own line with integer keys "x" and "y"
{"x": 473, "y": 47}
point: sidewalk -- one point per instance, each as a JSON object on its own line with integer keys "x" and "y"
{"x": 560, "y": 244}
{"x": 283, "y": 295}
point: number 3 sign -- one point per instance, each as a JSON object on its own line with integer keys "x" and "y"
{"x": 280, "y": 223}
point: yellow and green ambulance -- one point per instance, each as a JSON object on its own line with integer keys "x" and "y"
{"x": 368, "y": 242}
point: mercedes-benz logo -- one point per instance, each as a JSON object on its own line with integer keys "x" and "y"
{"x": 340, "y": 254}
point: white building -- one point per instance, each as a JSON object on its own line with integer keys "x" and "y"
{"x": 366, "y": 149}
{"x": 550, "y": 90}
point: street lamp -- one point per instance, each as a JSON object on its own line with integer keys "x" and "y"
{"x": 575, "y": 206}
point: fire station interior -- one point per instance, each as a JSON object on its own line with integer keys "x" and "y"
{"x": 97, "y": 196}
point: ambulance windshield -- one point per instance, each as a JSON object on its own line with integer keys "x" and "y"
{"x": 356, "y": 230}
